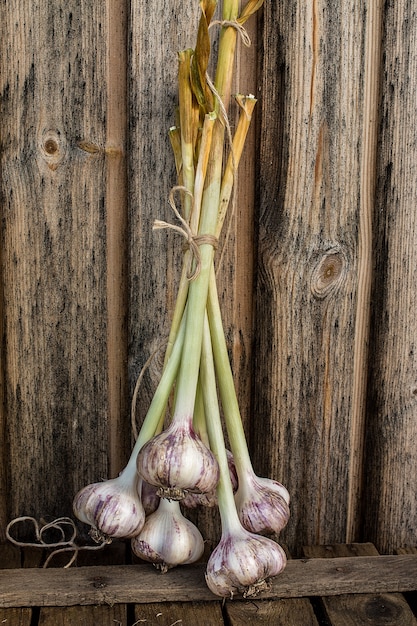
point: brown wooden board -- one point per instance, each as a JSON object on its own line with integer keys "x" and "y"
{"x": 84, "y": 616}
{"x": 54, "y": 264}
{"x": 183, "y": 613}
{"x": 16, "y": 617}
{"x": 355, "y": 608}
{"x": 284, "y": 612}
{"x": 141, "y": 584}
{"x": 390, "y": 497}
{"x": 314, "y": 246}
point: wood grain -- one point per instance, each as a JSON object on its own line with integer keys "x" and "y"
{"x": 16, "y": 617}
{"x": 363, "y": 608}
{"x": 54, "y": 251}
{"x": 308, "y": 262}
{"x": 184, "y": 613}
{"x": 103, "y": 615}
{"x": 284, "y": 612}
{"x": 390, "y": 499}
{"x": 141, "y": 584}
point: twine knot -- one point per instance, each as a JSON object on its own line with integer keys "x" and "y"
{"x": 193, "y": 240}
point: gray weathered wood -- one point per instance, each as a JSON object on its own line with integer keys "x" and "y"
{"x": 54, "y": 105}
{"x": 308, "y": 415}
{"x": 390, "y": 496}
{"x": 142, "y": 584}
{"x": 352, "y": 609}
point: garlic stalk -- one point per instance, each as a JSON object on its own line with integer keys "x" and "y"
{"x": 242, "y": 562}
{"x": 168, "y": 538}
{"x": 262, "y": 503}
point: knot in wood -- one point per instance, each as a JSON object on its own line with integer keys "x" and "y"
{"x": 382, "y": 609}
{"x": 52, "y": 148}
{"x": 328, "y": 273}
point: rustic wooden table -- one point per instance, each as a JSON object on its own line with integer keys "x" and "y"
{"x": 338, "y": 585}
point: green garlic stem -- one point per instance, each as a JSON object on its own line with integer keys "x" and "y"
{"x": 226, "y": 384}
{"x": 197, "y": 298}
{"x": 227, "y": 508}
{"x": 159, "y": 401}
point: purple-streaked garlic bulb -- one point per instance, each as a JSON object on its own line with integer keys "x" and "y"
{"x": 262, "y": 504}
{"x": 149, "y": 496}
{"x": 194, "y": 500}
{"x": 177, "y": 461}
{"x": 112, "y": 508}
{"x": 242, "y": 563}
{"x": 168, "y": 538}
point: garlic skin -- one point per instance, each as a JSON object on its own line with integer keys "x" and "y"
{"x": 168, "y": 538}
{"x": 242, "y": 563}
{"x": 262, "y": 504}
{"x": 209, "y": 500}
{"x": 149, "y": 496}
{"x": 113, "y": 508}
{"x": 177, "y": 461}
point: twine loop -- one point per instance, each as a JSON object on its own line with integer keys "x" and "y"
{"x": 243, "y": 33}
{"x": 67, "y": 534}
{"x": 193, "y": 241}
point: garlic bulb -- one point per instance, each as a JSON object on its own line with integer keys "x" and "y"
{"x": 262, "y": 504}
{"x": 168, "y": 538}
{"x": 242, "y": 563}
{"x": 113, "y": 508}
{"x": 176, "y": 461}
{"x": 194, "y": 500}
{"x": 149, "y": 497}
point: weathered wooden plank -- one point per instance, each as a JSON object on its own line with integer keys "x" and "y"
{"x": 309, "y": 418}
{"x": 391, "y": 453}
{"x": 53, "y": 127}
{"x": 372, "y": 608}
{"x": 184, "y": 613}
{"x": 69, "y": 616}
{"x": 141, "y": 584}
{"x": 10, "y": 556}
{"x": 284, "y": 612}
{"x": 16, "y": 617}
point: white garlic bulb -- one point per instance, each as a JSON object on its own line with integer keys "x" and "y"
{"x": 262, "y": 504}
{"x": 177, "y": 461}
{"x": 113, "y": 507}
{"x": 242, "y": 563}
{"x": 168, "y": 538}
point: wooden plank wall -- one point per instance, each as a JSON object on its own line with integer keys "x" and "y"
{"x": 317, "y": 278}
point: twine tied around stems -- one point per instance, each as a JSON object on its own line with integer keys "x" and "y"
{"x": 194, "y": 241}
{"x": 238, "y": 26}
{"x": 66, "y": 540}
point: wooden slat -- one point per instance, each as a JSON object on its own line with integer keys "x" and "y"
{"x": 184, "y": 613}
{"x": 141, "y": 584}
{"x": 373, "y": 608}
{"x": 284, "y": 612}
{"x": 391, "y": 455}
{"x": 80, "y": 615}
{"x": 54, "y": 105}
{"x": 307, "y": 431}
{"x": 16, "y": 617}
